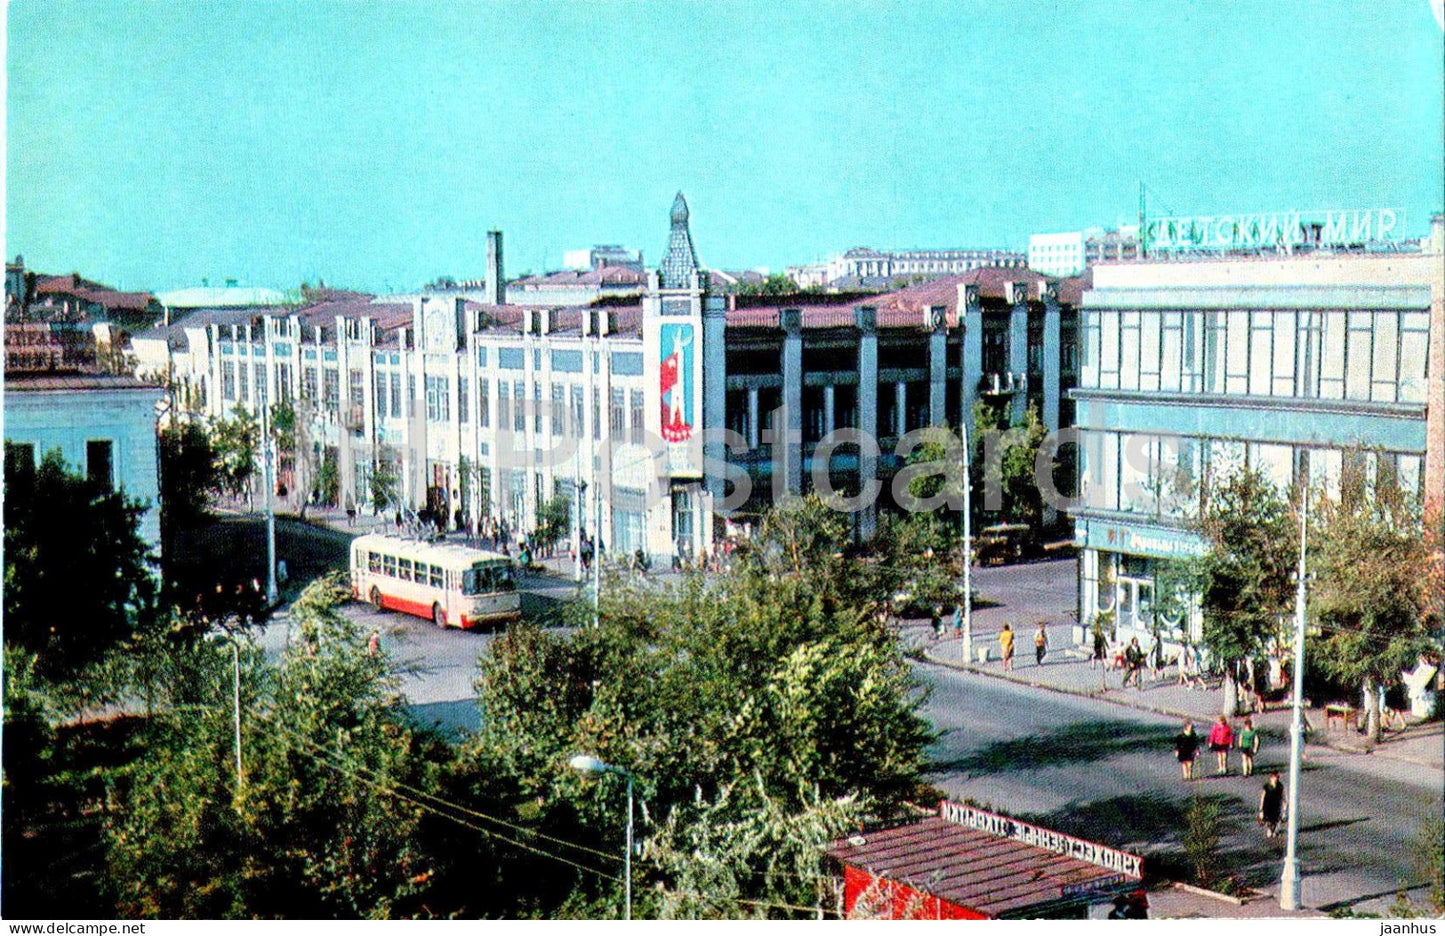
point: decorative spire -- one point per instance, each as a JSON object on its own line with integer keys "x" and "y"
{"x": 679, "y": 267}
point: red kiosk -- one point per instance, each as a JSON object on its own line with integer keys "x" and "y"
{"x": 968, "y": 864}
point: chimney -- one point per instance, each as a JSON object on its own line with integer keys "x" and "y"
{"x": 496, "y": 284}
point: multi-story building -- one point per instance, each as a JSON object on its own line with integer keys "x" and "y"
{"x": 870, "y": 267}
{"x": 491, "y": 408}
{"x": 1071, "y": 252}
{"x": 1286, "y": 364}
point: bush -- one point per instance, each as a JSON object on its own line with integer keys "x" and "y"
{"x": 1201, "y": 840}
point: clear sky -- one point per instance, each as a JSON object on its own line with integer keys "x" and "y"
{"x": 152, "y": 144}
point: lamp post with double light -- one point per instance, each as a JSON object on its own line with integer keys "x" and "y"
{"x": 586, "y": 763}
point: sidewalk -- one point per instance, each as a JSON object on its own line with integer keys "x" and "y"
{"x": 1067, "y": 669}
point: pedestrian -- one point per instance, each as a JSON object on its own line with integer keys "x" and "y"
{"x": 373, "y": 643}
{"x": 1248, "y": 746}
{"x": 936, "y": 620}
{"x": 350, "y": 511}
{"x": 1101, "y": 645}
{"x": 1183, "y": 661}
{"x": 1271, "y": 805}
{"x": 1186, "y": 743}
{"x": 1041, "y": 644}
{"x": 1156, "y": 655}
{"x": 1221, "y": 739}
{"x": 958, "y": 621}
{"x": 1133, "y": 664}
{"x": 1006, "y": 647}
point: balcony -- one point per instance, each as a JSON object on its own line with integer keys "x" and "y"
{"x": 1003, "y": 383}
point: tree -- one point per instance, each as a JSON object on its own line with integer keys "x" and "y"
{"x": 190, "y": 474}
{"x": 1375, "y": 578}
{"x": 236, "y": 442}
{"x": 774, "y": 284}
{"x": 1010, "y": 472}
{"x": 1243, "y": 582}
{"x": 77, "y": 574}
{"x": 385, "y": 480}
{"x": 554, "y": 516}
{"x": 313, "y": 828}
{"x": 750, "y": 700}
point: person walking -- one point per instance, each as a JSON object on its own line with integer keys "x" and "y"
{"x": 1186, "y": 743}
{"x": 1248, "y": 746}
{"x": 373, "y": 643}
{"x": 935, "y": 619}
{"x": 1271, "y": 805}
{"x": 1133, "y": 664}
{"x": 1101, "y": 646}
{"x": 1041, "y": 644}
{"x": 1006, "y": 647}
{"x": 1221, "y": 739}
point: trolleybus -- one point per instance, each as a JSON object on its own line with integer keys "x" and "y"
{"x": 450, "y": 584}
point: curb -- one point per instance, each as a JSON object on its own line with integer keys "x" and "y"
{"x": 1101, "y": 696}
{"x": 1214, "y": 895}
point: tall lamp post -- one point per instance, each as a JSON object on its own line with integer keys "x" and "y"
{"x": 586, "y": 763}
{"x": 269, "y": 483}
{"x": 1289, "y": 882}
{"x": 966, "y": 613}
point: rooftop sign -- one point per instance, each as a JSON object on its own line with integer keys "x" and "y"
{"x": 1004, "y": 827}
{"x": 1271, "y": 230}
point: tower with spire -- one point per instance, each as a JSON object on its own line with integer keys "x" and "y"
{"x": 683, "y": 341}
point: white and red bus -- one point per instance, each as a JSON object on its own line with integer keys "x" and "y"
{"x": 451, "y": 584}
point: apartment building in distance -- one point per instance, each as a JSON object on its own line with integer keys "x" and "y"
{"x": 1288, "y": 363}
{"x": 1071, "y": 252}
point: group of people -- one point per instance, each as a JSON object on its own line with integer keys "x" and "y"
{"x": 1006, "y": 646}
{"x": 1221, "y": 740}
{"x": 1130, "y": 657}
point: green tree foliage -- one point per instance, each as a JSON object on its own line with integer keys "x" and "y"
{"x": 385, "y": 480}
{"x": 1244, "y": 580}
{"x": 1375, "y": 579}
{"x": 190, "y": 475}
{"x": 554, "y": 518}
{"x": 328, "y": 479}
{"x": 1007, "y": 466}
{"x": 774, "y": 284}
{"x": 772, "y": 688}
{"x": 310, "y": 829}
{"x": 236, "y": 441}
{"x": 77, "y": 582}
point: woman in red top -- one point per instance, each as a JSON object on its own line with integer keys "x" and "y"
{"x": 1221, "y": 739}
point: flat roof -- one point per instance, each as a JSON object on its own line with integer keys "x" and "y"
{"x": 70, "y": 381}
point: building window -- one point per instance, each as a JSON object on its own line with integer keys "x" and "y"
{"x": 283, "y": 382}
{"x": 484, "y": 418}
{"x": 559, "y": 409}
{"x": 308, "y": 384}
{"x": 380, "y": 382}
{"x": 356, "y": 389}
{"x": 462, "y": 401}
{"x": 579, "y": 415}
{"x": 438, "y": 399}
{"x": 331, "y": 390}
{"x": 616, "y": 425}
{"x": 537, "y": 406}
{"x": 19, "y": 459}
{"x": 638, "y": 425}
{"x": 261, "y": 394}
{"x": 98, "y": 467}
{"x": 504, "y": 405}
{"x": 396, "y": 395}
{"x": 519, "y": 413}
{"x": 245, "y": 375}
{"x": 228, "y": 380}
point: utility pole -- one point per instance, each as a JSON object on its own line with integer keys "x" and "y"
{"x": 967, "y": 612}
{"x": 268, "y": 483}
{"x": 1289, "y": 882}
{"x": 236, "y": 706}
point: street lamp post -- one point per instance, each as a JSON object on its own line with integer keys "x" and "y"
{"x": 268, "y": 482}
{"x": 967, "y": 611}
{"x": 1289, "y": 882}
{"x": 586, "y": 763}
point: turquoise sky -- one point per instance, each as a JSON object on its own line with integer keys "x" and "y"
{"x": 372, "y": 145}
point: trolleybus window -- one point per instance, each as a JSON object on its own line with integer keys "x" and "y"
{"x": 479, "y": 579}
{"x": 403, "y": 569}
{"x": 373, "y": 561}
{"x": 436, "y": 577}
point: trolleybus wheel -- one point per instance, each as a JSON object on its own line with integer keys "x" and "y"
{"x": 438, "y": 616}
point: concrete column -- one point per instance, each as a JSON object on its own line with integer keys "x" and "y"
{"x": 900, "y": 408}
{"x": 714, "y": 394}
{"x": 1051, "y": 354}
{"x": 971, "y": 314}
{"x": 1018, "y": 354}
{"x": 754, "y": 438}
{"x": 1435, "y": 387}
{"x": 792, "y": 424}
{"x": 937, "y": 368}
{"x": 828, "y": 410}
{"x": 866, "y": 318}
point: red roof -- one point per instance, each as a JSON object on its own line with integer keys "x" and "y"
{"x": 91, "y": 291}
{"x": 976, "y": 869}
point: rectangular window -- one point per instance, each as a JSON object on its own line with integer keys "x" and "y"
{"x": 1129, "y": 351}
{"x": 438, "y": 399}
{"x": 396, "y": 395}
{"x": 403, "y": 569}
{"x": 1414, "y": 332}
{"x": 519, "y": 413}
{"x": 228, "y": 380}
{"x": 596, "y": 413}
{"x": 373, "y": 562}
{"x": 19, "y": 459}
{"x": 1171, "y": 353}
{"x": 484, "y": 418}
{"x": 388, "y": 565}
{"x": 639, "y": 426}
{"x": 559, "y": 409}
{"x": 1359, "y": 354}
{"x": 537, "y": 405}
{"x": 1109, "y": 349}
{"x": 356, "y": 386}
{"x": 579, "y": 414}
{"x": 1282, "y": 383}
{"x": 331, "y": 390}
{"x": 463, "y": 410}
{"x": 617, "y": 425}
{"x": 1261, "y": 357}
{"x": 504, "y": 405}
{"x": 1150, "y": 359}
{"x": 1385, "y": 376}
{"x": 1332, "y": 356}
{"x": 283, "y": 382}
{"x": 438, "y": 579}
{"x": 308, "y": 384}
{"x": 259, "y": 372}
{"x": 1236, "y": 367}
{"x": 245, "y": 374}
{"x": 98, "y": 467}
{"x": 380, "y": 391}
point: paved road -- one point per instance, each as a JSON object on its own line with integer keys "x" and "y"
{"x": 1107, "y": 773}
